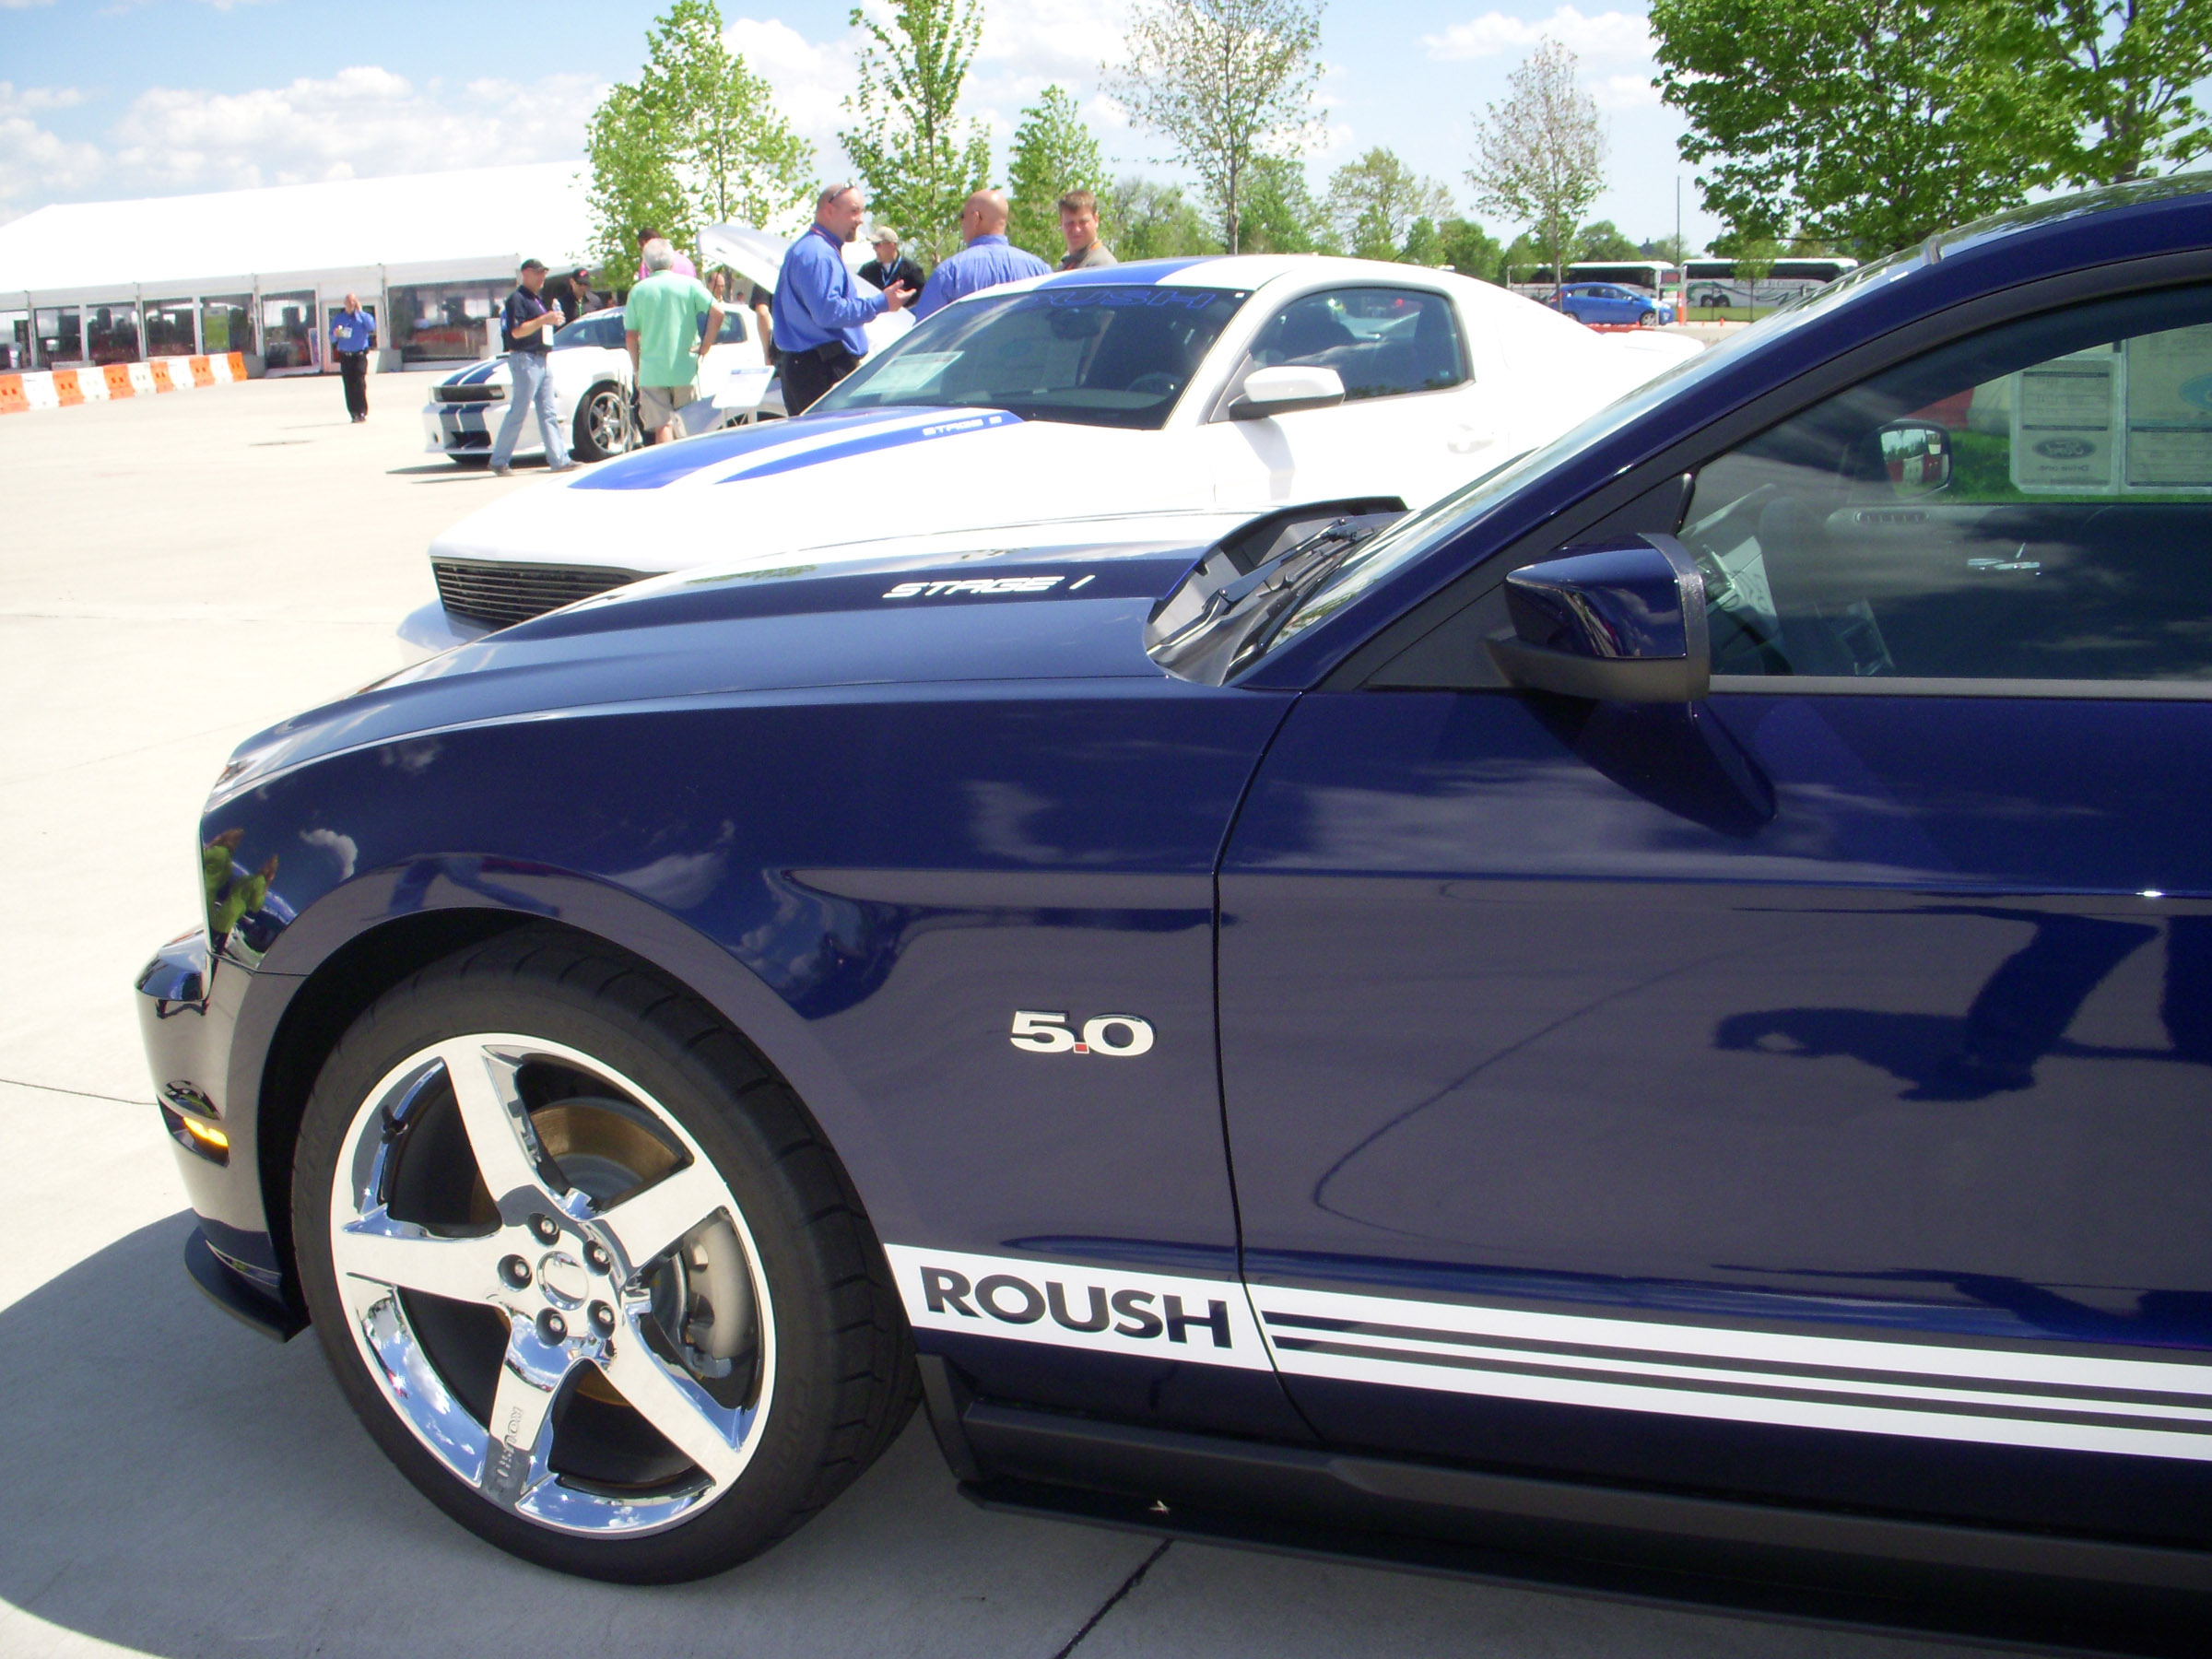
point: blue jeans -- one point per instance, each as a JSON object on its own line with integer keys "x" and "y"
{"x": 532, "y": 388}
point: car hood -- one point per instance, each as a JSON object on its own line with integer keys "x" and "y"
{"x": 863, "y": 626}
{"x": 756, "y": 495}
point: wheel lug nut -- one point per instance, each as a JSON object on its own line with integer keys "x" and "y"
{"x": 515, "y": 1271}
{"x": 596, "y": 1257}
{"x": 603, "y": 1318}
{"x": 547, "y": 1230}
{"x": 552, "y": 1327}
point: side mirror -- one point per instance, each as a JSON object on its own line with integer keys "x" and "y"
{"x": 1617, "y": 623}
{"x": 1915, "y": 456}
{"x": 1282, "y": 390}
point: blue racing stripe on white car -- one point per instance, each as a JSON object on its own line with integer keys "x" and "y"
{"x": 1140, "y": 274}
{"x": 956, "y": 425}
{"x": 796, "y": 443}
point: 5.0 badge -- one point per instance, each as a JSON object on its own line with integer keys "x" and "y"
{"x": 1125, "y": 1036}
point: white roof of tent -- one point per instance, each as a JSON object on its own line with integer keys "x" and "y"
{"x": 495, "y": 214}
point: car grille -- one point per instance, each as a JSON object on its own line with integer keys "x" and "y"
{"x": 502, "y": 594}
{"x": 492, "y": 394}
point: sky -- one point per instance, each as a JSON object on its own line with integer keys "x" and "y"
{"x": 107, "y": 101}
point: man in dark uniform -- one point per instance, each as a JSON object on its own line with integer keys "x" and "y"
{"x": 890, "y": 268}
{"x": 352, "y": 333}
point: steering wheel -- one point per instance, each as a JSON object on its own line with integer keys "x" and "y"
{"x": 1158, "y": 383}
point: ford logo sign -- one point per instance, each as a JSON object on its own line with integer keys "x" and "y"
{"x": 2064, "y": 448}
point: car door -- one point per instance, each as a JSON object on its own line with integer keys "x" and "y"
{"x": 1802, "y": 1092}
{"x": 1417, "y": 412}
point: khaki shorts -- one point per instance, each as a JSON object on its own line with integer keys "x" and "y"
{"x": 657, "y": 404}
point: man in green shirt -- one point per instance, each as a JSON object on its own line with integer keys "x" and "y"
{"x": 661, "y": 327}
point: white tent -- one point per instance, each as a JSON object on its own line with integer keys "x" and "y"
{"x": 497, "y": 213}
{"x": 163, "y": 266}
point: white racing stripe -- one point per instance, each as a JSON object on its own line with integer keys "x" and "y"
{"x": 1926, "y": 1390}
{"x": 2152, "y": 1408}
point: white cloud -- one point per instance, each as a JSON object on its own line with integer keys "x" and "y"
{"x": 1047, "y": 41}
{"x": 363, "y": 121}
{"x": 1612, "y": 34}
{"x": 36, "y": 164}
{"x": 810, "y": 79}
{"x": 1625, "y": 93}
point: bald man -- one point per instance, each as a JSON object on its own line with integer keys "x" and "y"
{"x": 987, "y": 260}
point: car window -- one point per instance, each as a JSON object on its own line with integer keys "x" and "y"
{"x": 1111, "y": 354}
{"x": 733, "y": 327}
{"x": 601, "y": 328}
{"x": 1380, "y": 341}
{"x": 2031, "y": 503}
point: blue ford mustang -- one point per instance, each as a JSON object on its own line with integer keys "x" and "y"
{"x": 1643, "y": 1028}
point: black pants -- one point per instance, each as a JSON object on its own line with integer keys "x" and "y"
{"x": 808, "y": 374}
{"x": 353, "y": 369}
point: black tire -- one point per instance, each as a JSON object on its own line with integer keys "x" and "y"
{"x": 1647, "y": 319}
{"x": 845, "y": 1382}
{"x": 601, "y": 425}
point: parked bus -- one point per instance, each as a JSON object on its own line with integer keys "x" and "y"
{"x": 1711, "y": 283}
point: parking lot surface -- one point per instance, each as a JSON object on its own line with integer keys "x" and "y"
{"x": 174, "y": 574}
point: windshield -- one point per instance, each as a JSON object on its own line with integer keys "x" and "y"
{"x": 1413, "y": 537}
{"x": 1114, "y": 355}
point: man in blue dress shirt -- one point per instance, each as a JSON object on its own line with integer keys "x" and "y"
{"x": 818, "y": 307}
{"x": 988, "y": 260}
{"x": 352, "y": 333}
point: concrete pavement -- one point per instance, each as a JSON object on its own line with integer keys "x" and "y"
{"x": 174, "y": 574}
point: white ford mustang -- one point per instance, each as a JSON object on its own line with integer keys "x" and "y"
{"x": 1176, "y": 397}
{"x": 590, "y": 373}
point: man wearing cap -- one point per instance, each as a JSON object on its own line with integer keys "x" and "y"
{"x": 660, "y": 325}
{"x": 988, "y": 260}
{"x": 891, "y": 268}
{"x": 352, "y": 332}
{"x": 527, "y": 323}
{"x": 818, "y": 307}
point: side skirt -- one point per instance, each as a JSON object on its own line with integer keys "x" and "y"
{"x": 2044, "y": 1591}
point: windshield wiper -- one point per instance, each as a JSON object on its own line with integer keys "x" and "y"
{"x": 1241, "y": 613}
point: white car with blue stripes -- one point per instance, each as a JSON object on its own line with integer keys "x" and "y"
{"x": 592, "y": 384}
{"x": 1177, "y": 399}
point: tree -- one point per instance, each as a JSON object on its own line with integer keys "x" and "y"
{"x": 2123, "y": 69}
{"x": 1671, "y": 248}
{"x": 1141, "y": 219}
{"x": 1375, "y": 202}
{"x": 1602, "y": 239}
{"x": 634, "y": 184}
{"x": 1424, "y": 244}
{"x": 1471, "y": 251}
{"x": 1867, "y": 123}
{"x": 1755, "y": 257}
{"x": 1226, "y": 83}
{"x": 697, "y": 140}
{"x": 907, "y": 141}
{"x": 1054, "y": 153}
{"x": 1540, "y": 156}
{"x": 1278, "y": 213}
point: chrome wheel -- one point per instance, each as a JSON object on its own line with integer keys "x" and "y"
{"x": 551, "y": 1286}
{"x": 602, "y": 426}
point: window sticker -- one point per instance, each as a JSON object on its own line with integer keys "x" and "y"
{"x": 2170, "y": 410}
{"x": 2135, "y": 418}
{"x": 912, "y": 372}
{"x": 2062, "y": 424}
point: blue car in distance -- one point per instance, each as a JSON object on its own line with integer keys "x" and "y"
{"x": 1609, "y": 302}
{"x": 1646, "y": 1029}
